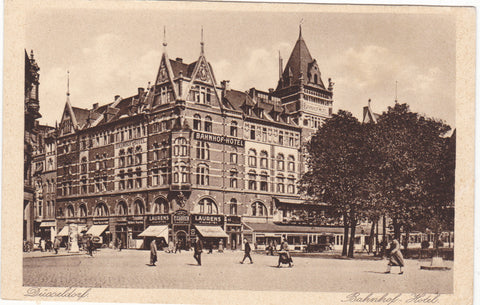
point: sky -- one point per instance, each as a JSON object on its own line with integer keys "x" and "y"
{"x": 110, "y": 52}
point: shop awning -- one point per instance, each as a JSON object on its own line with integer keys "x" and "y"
{"x": 286, "y": 229}
{"x": 297, "y": 201}
{"x": 211, "y": 231}
{"x": 63, "y": 232}
{"x": 155, "y": 231}
{"x": 96, "y": 230}
{"x": 46, "y": 224}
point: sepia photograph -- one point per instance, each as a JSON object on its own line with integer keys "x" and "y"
{"x": 298, "y": 149}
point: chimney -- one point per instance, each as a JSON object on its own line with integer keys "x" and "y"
{"x": 179, "y": 59}
{"x": 116, "y": 97}
{"x": 140, "y": 91}
{"x": 95, "y": 106}
{"x": 226, "y": 85}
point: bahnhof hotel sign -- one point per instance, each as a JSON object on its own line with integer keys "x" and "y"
{"x": 219, "y": 139}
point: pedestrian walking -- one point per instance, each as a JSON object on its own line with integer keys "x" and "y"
{"x": 42, "y": 245}
{"x": 178, "y": 247}
{"x": 284, "y": 256}
{"x": 90, "y": 246}
{"x": 153, "y": 252}
{"x": 56, "y": 244}
{"x": 198, "y": 251}
{"x": 210, "y": 247}
{"x": 220, "y": 246}
{"x": 119, "y": 244}
{"x": 247, "y": 251}
{"x": 396, "y": 257}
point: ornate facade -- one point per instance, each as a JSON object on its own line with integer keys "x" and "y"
{"x": 191, "y": 157}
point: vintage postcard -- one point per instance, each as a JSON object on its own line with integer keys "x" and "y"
{"x": 212, "y": 153}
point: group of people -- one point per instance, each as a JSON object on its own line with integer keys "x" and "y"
{"x": 284, "y": 254}
{"x": 48, "y": 245}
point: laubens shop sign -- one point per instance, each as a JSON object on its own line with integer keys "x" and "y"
{"x": 208, "y": 219}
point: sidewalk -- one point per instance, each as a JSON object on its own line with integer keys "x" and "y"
{"x": 61, "y": 252}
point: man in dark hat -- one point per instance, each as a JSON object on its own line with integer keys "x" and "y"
{"x": 247, "y": 251}
{"x": 198, "y": 251}
{"x": 153, "y": 252}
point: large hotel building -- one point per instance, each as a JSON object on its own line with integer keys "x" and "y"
{"x": 190, "y": 157}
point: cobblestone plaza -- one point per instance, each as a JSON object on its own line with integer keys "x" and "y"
{"x": 129, "y": 269}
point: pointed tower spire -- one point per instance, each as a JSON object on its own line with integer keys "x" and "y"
{"x": 68, "y": 83}
{"x": 164, "y": 37}
{"x": 300, "y": 30}
{"x": 202, "y": 44}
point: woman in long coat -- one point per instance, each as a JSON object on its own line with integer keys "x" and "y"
{"x": 153, "y": 252}
{"x": 396, "y": 257}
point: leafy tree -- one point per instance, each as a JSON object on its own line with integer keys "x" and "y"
{"x": 339, "y": 171}
{"x": 411, "y": 149}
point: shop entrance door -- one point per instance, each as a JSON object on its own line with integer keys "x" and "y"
{"x": 182, "y": 239}
{"x": 234, "y": 241}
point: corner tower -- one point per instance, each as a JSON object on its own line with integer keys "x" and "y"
{"x": 302, "y": 90}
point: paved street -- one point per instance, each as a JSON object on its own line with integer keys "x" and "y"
{"x": 129, "y": 269}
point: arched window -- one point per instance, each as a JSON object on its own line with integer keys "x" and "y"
{"x": 101, "y": 210}
{"x": 280, "y": 184}
{"x": 264, "y": 181}
{"x": 263, "y": 159}
{"x": 252, "y": 180}
{"x": 203, "y": 174}
{"x": 180, "y": 147}
{"x": 122, "y": 208}
{"x": 233, "y": 129}
{"x": 130, "y": 156}
{"x": 138, "y": 155}
{"x": 291, "y": 185}
{"x": 233, "y": 158}
{"x": 207, "y": 206}
{"x": 203, "y": 151}
{"x": 160, "y": 206}
{"x": 83, "y": 211}
{"x": 121, "y": 160}
{"x": 197, "y": 122}
{"x": 252, "y": 158}
{"x": 83, "y": 166}
{"x": 291, "y": 163}
{"x": 138, "y": 208}
{"x": 233, "y": 178}
{"x": 280, "y": 162}
{"x": 259, "y": 209}
{"x": 208, "y": 124}
{"x": 70, "y": 211}
{"x": 233, "y": 206}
